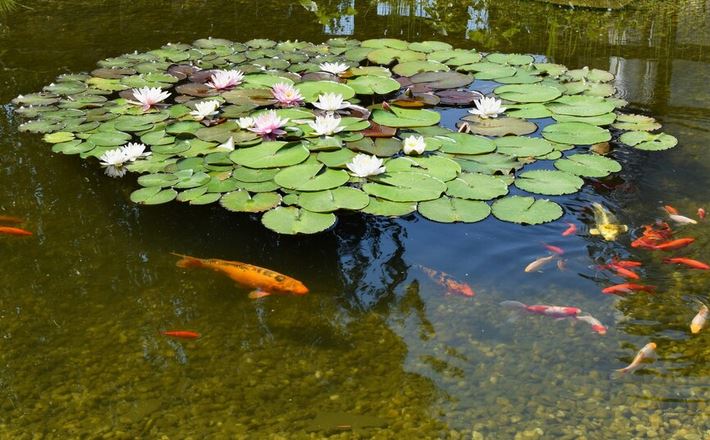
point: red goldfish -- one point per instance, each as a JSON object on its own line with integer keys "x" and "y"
{"x": 701, "y": 213}
{"x": 627, "y": 263}
{"x": 571, "y": 229}
{"x": 265, "y": 281}
{"x": 624, "y": 272}
{"x": 9, "y": 230}
{"x": 10, "y": 219}
{"x": 647, "y": 352}
{"x": 597, "y": 326}
{"x": 670, "y": 210}
{"x": 652, "y": 235}
{"x": 618, "y": 289}
{"x": 699, "y": 320}
{"x": 695, "y": 264}
{"x": 545, "y": 310}
{"x": 184, "y": 334}
{"x": 556, "y": 249}
{"x": 674, "y": 244}
{"x": 445, "y": 280}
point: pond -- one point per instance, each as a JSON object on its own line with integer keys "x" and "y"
{"x": 377, "y": 348}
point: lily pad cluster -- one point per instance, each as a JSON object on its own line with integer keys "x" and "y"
{"x": 390, "y": 89}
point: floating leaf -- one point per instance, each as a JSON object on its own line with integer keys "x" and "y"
{"x": 526, "y": 210}
{"x": 577, "y": 133}
{"x": 461, "y": 143}
{"x": 332, "y": 200}
{"x": 388, "y": 208}
{"x": 310, "y": 177}
{"x": 270, "y": 155}
{"x": 442, "y": 80}
{"x": 291, "y": 221}
{"x": 411, "y": 68}
{"x": 527, "y": 93}
{"x": 499, "y": 126}
{"x": 435, "y": 166}
{"x": 521, "y": 146}
{"x": 588, "y": 165}
{"x": 553, "y": 183}
{"x": 153, "y": 195}
{"x": 312, "y": 89}
{"x": 510, "y": 58}
{"x": 636, "y": 123}
{"x": 605, "y": 119}
{"x": 58, "y": 137}
{"x": 370, "y": 84}
{"x": 242, "y": 201}
{"x": 389, "y": 55}
{"x": 643, "y": 140}
{"x": 580, "y": 105}
{"x": 476, "y": 186}
{"x": 492, "y": 163}
{"x": 405, "y": 187}
{"x": 109, "y": 138}
{"x": 402, "y": 117}
{"x": 451, "y": 210}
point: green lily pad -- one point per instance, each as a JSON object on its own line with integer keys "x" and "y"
{"x": 580, "y": 105}
{"x": 411, "y": 68}
{"x": 388, "y": 55}
{"x": 388, "y": 208}
{"x": 461, "y": 143}
{"x": 442, "y": 80}
{"x": 553, "y": 183}
{"x": 492, "y": 163}
{"x": 452, "y": 210}
{"x": 312, "y": 89}
{"x": 40, "y": 126}
{"x": 270, "y": 155}
{"x": 58, "y": 137}
{"x": 161, "y": 180}
{"x": 636, "y": 123}
{"x": 455, "y": 57}
{"x": 242, "y": 201}
{"x": 338, "y": 158}
{"x": 643, "y": 140}
{"x": 153, "y": 195}
{"x": 489, "y": 71}
{"x": 526, "y": 210}
{"x": 605, "y": 119}
{"x": 332, "y": 200}
{"x": 291, "y": 221}
{"x": 527, "y": 93}
{"x": 577, "y": 133}
{"x": 439, "y": 167}
{"x": 402, "y": 117}
{"x": 191, "y": 194}
{"x": 499, "y": 126}
{"x": 429, "y": 46}
{"x": 514, "y": 59}
{"x": 371, "y": 84}
{"x": 588, "y": 165}
{"x": 254, "y": 175}
{"x": 381, "y": 147}
{"x": 477, "y": 186}
{"x": 109, "y": 138}
{"x": 405, "y": 187}
{"x": 311, "y": 177}
{"x": 521, "y": 146}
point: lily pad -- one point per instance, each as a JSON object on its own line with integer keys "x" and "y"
{"x": 499, "y": 126}
{"x": 311, "y": 177}
{"x": 405, "y": 187}
{"x": 527, "y": 93}
{"x": 270, "y": 155}
{"x": 388, "y": 208}
{"x": 312, "y": 89}
{"x": 371, "y": 84}
{"x": 411, "y": 68}
{"x": 577, "y": 133}
{"x": 439, "y": 167}
{"x": 332, "y": 200}
{"x": 461, "y": 143}
{"x": 477, "y": 186}
{"x": 452, "y": 210}
{"x": 636, "y": 123}
{"x": 291, "y": 220}
{"x": 580, "y": 105}
{"x": 153, "y": 195}
{"x": 553, "y": 183}
{"x": 492, "y": 163}
{"x": 643, "y": 140}
{"x": 442, "y": 80}
{"x": 521, "y": 146}
{"x": 526, "y": 210}
{"x": 242, "y": 201}
{"x": 402, "y": 117}
{"x": 588, "y": 165}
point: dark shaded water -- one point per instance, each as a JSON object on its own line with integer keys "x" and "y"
{"x": 377, "y": 346}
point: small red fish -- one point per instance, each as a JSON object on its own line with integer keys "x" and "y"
{"x": 184, "y": 334}
{"x": 10, "y": 219}
{"x": 627, "y": 263}
{"x": 445, "y": 280}
{"x": 624, "y": 272}
{"x": 670, "y": 210}
{"x": 701, "y": 213}
{"x": 571, "y": 229}
{"x": 695, "y": 264}
{"x": 9, "y": 230}
{"x": 541, "y": 309}
{"x": 623, "y": 288}
{"x": 556, "y": 249}
{"x": 674, "y": 244}
{"x": 597, "y": 326}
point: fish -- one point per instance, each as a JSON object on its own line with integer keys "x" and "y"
{"x": 247, "y": 275}
{"x": 597, "y": 326}
{"x": 701, "y": 213}
{"x": 184, "y": 334}
{"x": 695, "y": 264}
{"x": 674, "y": 244}
{"x": 559, "y": 312}
{"x": 618, "y": 289}
{"x": 682, "y": 220}
{"x": 539, "y": 263}
{"x": 571, "y": 229}
{"x": 647, "y": 352}
{"x": 627, "y": 263}
{"x": 699, "y": 320}
{"x": 10, "y": 219}
{"x": 670, "y": 210}
{"x": 9, "y": 230}
{"x": 652, "y": 235}
{"x": 624, "y": 272}
{"x": 606, "y": 223}
{"x": 445, "y": 280}
{"x": 556, "y": 249}
{"x": 561, "y": 265}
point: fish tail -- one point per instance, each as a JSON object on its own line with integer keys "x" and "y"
{"x": 513, "y": 304}
{"x": 618, "y": 374}
{"x": 187, "y": 261}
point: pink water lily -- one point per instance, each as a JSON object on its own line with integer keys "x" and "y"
{"x": 287, "y": 95}
{"x": 268, "y": 125}
{"x": 225, "y": 79}
{"x": 147, "y": 97}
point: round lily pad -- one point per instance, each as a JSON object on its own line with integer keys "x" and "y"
{"x": 402, "y": 117}
{"x": 527, "y": 93}
{"x": 580, "y": 105}
{"x": 242, "y": 201}
{"x": 461, "y": 143}
{"x": 411, "y": 68}
{"x": 548, "y": 182}
{"x": 371, "y": 85}
{"x": 643, "y": 140}
{"x": 270, "y": 155}
{"x": 312, "y": 89}
{"x": 477, "y": 186}
{"x": 521, "y": 146}
{"x": 499, "y": 126}
{"x": 439, "y": 167}
{"x": 451, "y": 210}
{"x": 388, "y": 208}
{"x": 291, "y": 220}
{"x": 526, "y": 210}
{"x": 311, "y": 177}
{"x": 636, "y": 123}
{"x": 576, "y": 133}
{"x": 153, "y": 195}
{"x": 405, "y": 187}
{"x": 332, "y": 200}
{"x": 588, "y": 165}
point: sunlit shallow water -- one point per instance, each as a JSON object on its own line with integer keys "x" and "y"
{"x": 377, "y": 349}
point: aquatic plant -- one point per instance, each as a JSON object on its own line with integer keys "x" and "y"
{"x": 299, "y": 131}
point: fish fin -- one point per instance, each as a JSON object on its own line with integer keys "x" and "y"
{"x": 258, "y": 293}
{"x": 618, "y": 374}
{"x": 187, "y": 261}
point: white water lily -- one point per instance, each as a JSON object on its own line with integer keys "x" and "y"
{"x": 115, "y": 160}
{"x": 227, "y": 146}
{"x": 147, "y": 97}
{"x": 326, "y": 125}
{"x": 245, "y": 122}
{"x": 363, "y": 165}
{"x": 331, "y": 102}
{"x": 225, "y": 79}
{"x": 204, "y": 109}
{"x": 487, "y": 108}
{"x": 334, "y": 68}
{"x": 414, "y": 145}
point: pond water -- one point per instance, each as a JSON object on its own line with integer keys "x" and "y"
{"x": 376, "y": 350}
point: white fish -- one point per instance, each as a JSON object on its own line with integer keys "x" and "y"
{"x": 539, "y": 263}
{"x": 647, "y": 352}
{"x": 597, "y": 326}
{"x": 682, "y": 220}
{"x": 699, "y": 320}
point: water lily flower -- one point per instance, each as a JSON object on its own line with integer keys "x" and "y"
{"x": 269, "y": 124}
{"x": 487, "y": 108}
{"x": 227, "y": 146}
{"x": 331, "y": 102}
{"x": 204, "y": 109}
{"x": 287, "y": 95}
{"x": 148, "y": 96}
{"x": 245, "y": 122}
{"x": 414, "y": 145}
{"x": 334, "y": 68}
{"x": 115, "y": 160}
{"x": 225, "y": 79}
{"x": 363, "y": 165}
{"x": 326, "y": 125}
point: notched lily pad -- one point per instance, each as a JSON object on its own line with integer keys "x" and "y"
{"x": 452, "y": 210}
{"x": 291, "y": 220}
{"x": 526, "y": 210}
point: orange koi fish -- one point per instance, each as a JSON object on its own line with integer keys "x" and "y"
{"x": 619, "y": 289}
{"x": 701, "y": 213}
{"x": 10, "y": 219}
{"x": 647, "y": 352}
{"x": 627, "y": 263}
{"x": 652, "y": 235}
{"x": 556, "y": 249}
{"x": 597, "y": 326}
{"x": 699, "y": 320}
{"x": 571, "y": 229}
{"x": 624, "y": 272}
{"x": 184, "y": 334}
{"x": 558, "y": 312}
{"x": 9, "y": 230}
{"x": 445, "y": 280}
{"x": 670, "y": 210}
{"x": 695, "y": 264}
{"x": 674, "y": 244}
{"x": 264, "y": 281}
